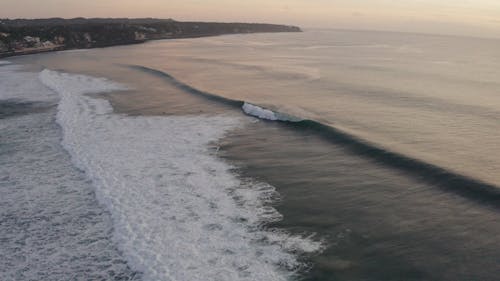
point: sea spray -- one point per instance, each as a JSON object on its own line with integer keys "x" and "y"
{"x": 179, "y": 213}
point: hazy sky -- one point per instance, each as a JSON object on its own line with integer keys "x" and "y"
{"x": 472, "y": 17}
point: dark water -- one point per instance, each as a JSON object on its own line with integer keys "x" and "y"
{"x": 410, "y": 194}
{"x": 379, "y": 223}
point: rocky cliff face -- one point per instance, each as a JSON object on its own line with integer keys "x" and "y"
{"x": 18, "y": 35}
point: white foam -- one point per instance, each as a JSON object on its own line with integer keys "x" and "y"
{"x": 23, "y": 86}
{"x": 259, "y": 112}
{"x": 179, "y": 213}
{"x": 51, "y": 225}
{"x": 267, "y": 114}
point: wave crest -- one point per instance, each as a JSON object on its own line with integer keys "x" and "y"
{"x": 179, "y": 212}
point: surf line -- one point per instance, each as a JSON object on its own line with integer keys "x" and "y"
{"x": 447, "y": 180}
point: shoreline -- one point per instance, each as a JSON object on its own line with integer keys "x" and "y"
{"x": 26, "y": 37}
{"x": 57, "y": 49}
{"x": 34, "y": 51}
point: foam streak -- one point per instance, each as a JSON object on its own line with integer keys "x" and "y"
{"x": 179, "y": 213}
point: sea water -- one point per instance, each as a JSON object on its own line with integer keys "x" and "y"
{"x": 51, "y": 225}
{"x": 176, "y": 211}
{"x": 369, "y": 156}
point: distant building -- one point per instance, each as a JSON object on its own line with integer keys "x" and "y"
{"x": 87, "y": 37}
{"x": 29, "y": 39}
{"x": 139, "y": 36}
{"x": 59, "y": 40}
{"x": 32, "y": 41}
{"x": 148, "y": 29}
{"x": 47, "y": 44}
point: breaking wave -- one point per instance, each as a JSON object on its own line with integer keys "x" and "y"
{"x": 179, "y": 212}
{"x": 266, "y": 114}
{"x": 445, "y": 179}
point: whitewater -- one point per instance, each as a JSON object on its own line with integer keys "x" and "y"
{"x": 52, "y": 227}
{"x": 176, "y": 211}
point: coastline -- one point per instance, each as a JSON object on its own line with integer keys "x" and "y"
{"x": 27, "y": 37}
{"x": 33, "y": 51}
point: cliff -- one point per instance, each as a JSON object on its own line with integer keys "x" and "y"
{"x": 21, "y": 36}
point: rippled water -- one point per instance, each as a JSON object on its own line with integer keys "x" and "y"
{"x": 388, "y": 155}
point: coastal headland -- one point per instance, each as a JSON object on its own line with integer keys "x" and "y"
{"x": 28, "y": 36}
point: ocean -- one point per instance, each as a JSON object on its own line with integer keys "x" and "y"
{"x": 322, "y": 155}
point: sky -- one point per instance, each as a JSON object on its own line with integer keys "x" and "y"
{"x": 459, "y": 17}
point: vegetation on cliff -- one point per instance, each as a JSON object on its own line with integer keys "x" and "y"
{"x": 21, "y": 35}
